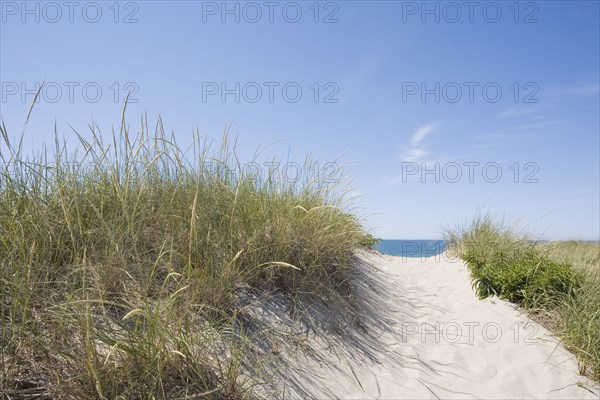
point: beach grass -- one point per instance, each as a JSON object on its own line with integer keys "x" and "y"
{"x": 558, "y": 283}
{"x": 122, "y": 260}
{"x": 579, "y": 322}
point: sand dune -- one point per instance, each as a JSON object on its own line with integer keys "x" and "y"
{"x": 427, "y": 336}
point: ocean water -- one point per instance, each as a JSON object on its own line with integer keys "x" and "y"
{"x": 411, "y": 248}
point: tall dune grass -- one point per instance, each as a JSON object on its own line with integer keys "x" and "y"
{"x": 559, "y": 282}
{"x": 579, "y": 323}
{"x": 121, "y": 261}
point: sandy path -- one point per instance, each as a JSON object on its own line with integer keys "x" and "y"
{"x": 440, "y": 341}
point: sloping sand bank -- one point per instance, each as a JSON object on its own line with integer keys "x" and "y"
{"x": 426, "y": 336}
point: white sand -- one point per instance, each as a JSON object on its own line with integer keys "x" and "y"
{"x": 428, "y": 337}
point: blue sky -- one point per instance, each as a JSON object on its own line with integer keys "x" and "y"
{"x": 396, "y": 88}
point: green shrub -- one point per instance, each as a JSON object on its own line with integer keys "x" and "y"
{"x": 530, "y": 280}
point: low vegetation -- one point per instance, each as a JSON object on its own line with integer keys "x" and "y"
{"x": 121, "y": 264}
{"x": 557, "y": 282}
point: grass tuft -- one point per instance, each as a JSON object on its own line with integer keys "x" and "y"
{"x": 120, "y": 263}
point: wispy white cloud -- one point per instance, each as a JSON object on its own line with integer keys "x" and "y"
{"x": 520, "y": 134}
{"x": 581, "y": 89}
{"x": 416, "y": 150}
{"x": 539, "y": 125}
{"x": 578, "y": 193}
{"x": 516, "y": 112}
{"x": 573, "y": 91}
{"x": 501, "y": 141}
